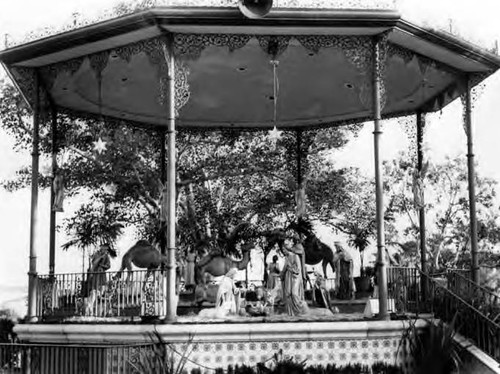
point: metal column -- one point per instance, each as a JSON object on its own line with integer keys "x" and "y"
{"x": 163, "y": 179}
{"x": 52, "y": 228}
{"x": 32, "y": 273}
{"x": 381, "y": 262}
{"x": 421, "y": 210}
{"x": 171, "y": 181}
{"x": 472, "y": 184}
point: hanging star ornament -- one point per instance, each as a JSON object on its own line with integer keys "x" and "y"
{"x": 275, "y": 135}
{"x": 99, "y": 146}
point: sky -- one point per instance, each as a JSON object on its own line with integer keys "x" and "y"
{"x": 475, "y": 20}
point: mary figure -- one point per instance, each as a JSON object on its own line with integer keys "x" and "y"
{"x": 292, "y": 280}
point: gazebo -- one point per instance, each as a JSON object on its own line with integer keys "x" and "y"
{"x": 175, "y": 68}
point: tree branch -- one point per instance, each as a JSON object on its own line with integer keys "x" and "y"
{"x": 207, "y": 178}
{"x": 144, "y": 191}
{"x": 150, "y": 210}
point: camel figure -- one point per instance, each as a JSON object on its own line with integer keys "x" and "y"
{"x": 216, "y": 264}
{"x": 143, "y": 255}
{"x": 315, "y": 250}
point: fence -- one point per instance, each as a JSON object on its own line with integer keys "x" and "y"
{"x": 64, "y": 359}
{"x": 469, "y": 321}
{"x": 403, "y": 290}
{"x": 487, "y": 302}
{"x": 463, "y": 272}
{"x": 101, "y": 295}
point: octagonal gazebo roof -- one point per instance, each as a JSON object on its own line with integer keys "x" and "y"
{"x": 224, "y": 76}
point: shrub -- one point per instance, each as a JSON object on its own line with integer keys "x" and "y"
{"x": 383, "y": 368}
{"x": 161, "y": 358}
{"x": 7, "y": 334}
{"x": 432, "y": 348}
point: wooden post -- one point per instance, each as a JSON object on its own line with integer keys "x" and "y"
{"x": 52, "y": 225}
{"x": 421, "y": 211}
{"x": 472, "y": 184}
{"x": 32, "y": 273}
{"x": 382, "y": 271}
{"x": 171, "y": 180}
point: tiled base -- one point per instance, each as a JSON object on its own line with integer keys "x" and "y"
{"x": 315, "y": 352}
{"x": 218, "y": 345}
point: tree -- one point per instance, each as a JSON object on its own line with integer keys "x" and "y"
{"x": 447, "y": 211}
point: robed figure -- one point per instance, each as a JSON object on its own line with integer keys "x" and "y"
{"x": 292, "y": 281}
{"x": 345, "y": 287}
{"x": 227, "y": 300}
{"x": 58, "y": 190}
{"x": 274, "y": 273}
{"x": 96, "y": 282}
{"x": 190, "y": 269}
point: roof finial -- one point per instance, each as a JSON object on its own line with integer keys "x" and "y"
{"x": 6, "y": 40}
{"x": 75, "y": 16}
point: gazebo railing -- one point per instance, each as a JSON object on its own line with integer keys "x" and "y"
{"x": 479, "y": 297}
{"x": 469, "y": 321}
{"x": 101, "y": 295}
{"x": 403, "y": 289}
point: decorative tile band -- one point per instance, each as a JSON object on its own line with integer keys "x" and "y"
{"x": 315, "y": 352}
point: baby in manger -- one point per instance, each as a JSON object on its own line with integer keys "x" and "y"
{"x": 259, "y": 302}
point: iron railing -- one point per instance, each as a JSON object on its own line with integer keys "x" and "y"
{"x": 101, "y": 295}
{"x": 487, "y": 302}
{"x": 463, "y": 272}
{"x": 403, "y": 290}
{"x": 469, "y": 321}
{"x": 65, "y": 359}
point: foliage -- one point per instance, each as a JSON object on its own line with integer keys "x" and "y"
{"x": 93, "y": 224}
{"x": 14, "y": 114}
{"x": 290, "y": 367}
{"x": 377, "y": 368}
{"x": 162, "y": 358}
{"x": 384, "y": 368}
{"x": 358, "y": 218}
{"x": 490, "y": 277}
{"x": 8, "y": 358}
{"x": 243, "y": 369}
{"x": 447, "y": 211}
{"x": 7, "y": 334}
{"x": 285, "y": 364}
{"x": 432, "y": 348}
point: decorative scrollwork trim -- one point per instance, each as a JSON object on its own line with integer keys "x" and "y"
{"x": 190, "y": 46}
{"x": 477, "y": 87}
